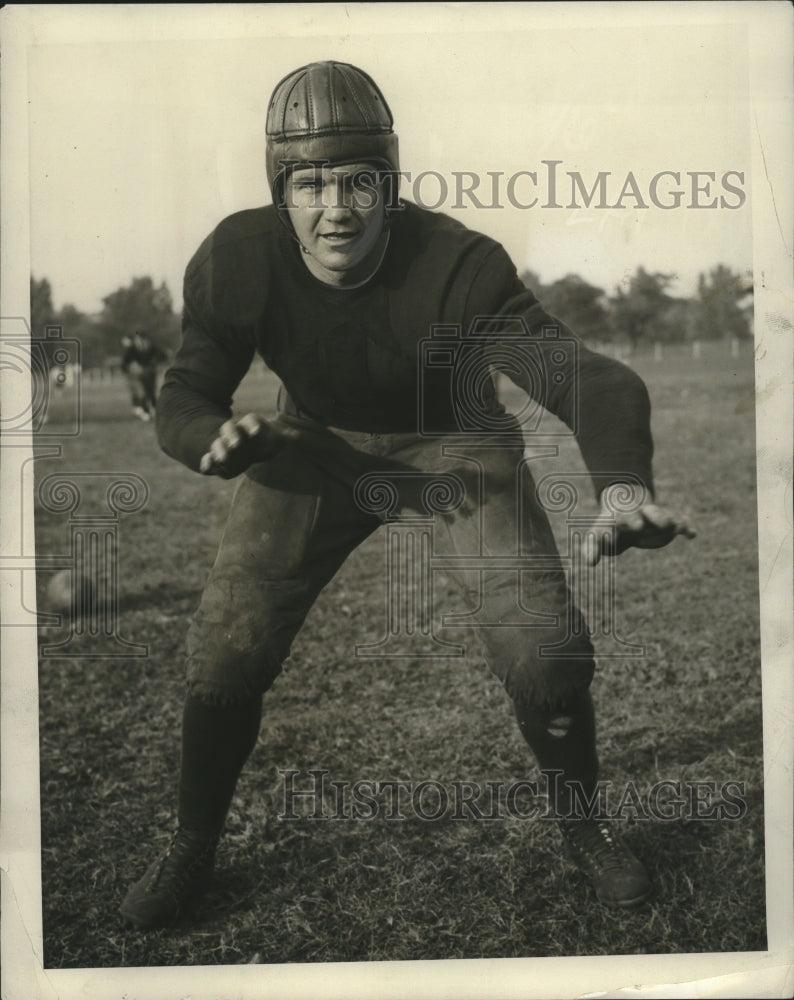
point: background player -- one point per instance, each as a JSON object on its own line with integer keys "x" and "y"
{"x": 140, "y": 362}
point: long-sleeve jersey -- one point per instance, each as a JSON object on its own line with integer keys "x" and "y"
{"x": 410, "y": 350}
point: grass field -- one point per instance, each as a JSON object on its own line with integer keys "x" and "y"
{"x": 304, "y": 890}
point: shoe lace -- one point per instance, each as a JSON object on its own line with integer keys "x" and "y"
{"x": 598, "y": 842}
{"x": 186, "y": 853}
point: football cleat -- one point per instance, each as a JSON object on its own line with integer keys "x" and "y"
{"x": 598, "y": 850}
{"x": 174, "y": 880}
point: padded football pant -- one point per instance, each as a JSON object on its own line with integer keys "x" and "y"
{"x": 296, "y": 518}
{"x": 293, "y": 522}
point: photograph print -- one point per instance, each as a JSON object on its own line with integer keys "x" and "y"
{"x": 398, "y": 496}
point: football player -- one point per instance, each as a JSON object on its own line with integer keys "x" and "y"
{"x": 336, "y": 285}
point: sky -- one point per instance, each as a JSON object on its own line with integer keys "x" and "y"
{"x": 149, "y": 129}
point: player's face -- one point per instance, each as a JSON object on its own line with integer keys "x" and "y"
{"x": 338, "y": 215}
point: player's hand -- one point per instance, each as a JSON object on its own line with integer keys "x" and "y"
{"x": 649, "y": 526}
{"x": 241, "y": 443}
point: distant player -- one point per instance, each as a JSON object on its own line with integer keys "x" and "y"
{"x": 140, "y": 363}
{"x": 336, "y": 285}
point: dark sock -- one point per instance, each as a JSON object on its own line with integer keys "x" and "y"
{"x": 569, "y": 748}
{"x": 216, "y": 742}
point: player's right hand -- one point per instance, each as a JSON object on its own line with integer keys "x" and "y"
{"x": 646, "y": 527}
{"x": 241, "y": 443}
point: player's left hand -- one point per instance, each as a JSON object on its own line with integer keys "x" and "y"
{"x": 647, "y": 527}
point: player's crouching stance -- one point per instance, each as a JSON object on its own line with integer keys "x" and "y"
{"x": 335, "y": 286}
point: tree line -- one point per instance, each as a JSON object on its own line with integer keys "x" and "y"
{"x": 139, "y": 306}
{"x": 640, "y": 312}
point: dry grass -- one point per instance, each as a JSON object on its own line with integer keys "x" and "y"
{"x": 318, "y": 891}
